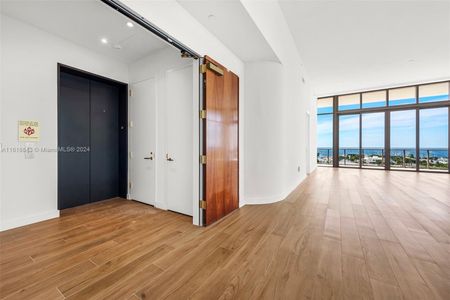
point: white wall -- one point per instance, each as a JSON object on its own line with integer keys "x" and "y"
{"x": 263, "y": 132}
{"x": 29, "y": 60}
{"x": 293, "y": 101}
{"x": 156, "y": 66}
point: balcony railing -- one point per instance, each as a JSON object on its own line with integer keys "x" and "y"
{"x": 325, "y": 156}
{"x": 401, "y": 158}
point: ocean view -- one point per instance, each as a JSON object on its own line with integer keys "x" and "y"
{"x": 431, "y": 158}
{"x": 435, "y": 152}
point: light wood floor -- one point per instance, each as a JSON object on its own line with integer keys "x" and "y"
{"x": 342, "y": 234}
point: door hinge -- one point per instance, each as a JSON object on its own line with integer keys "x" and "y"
{"x": 130, "y": 93}
{"x": 211, "y": 67}
{"x": 203, "y": 114}
{"x": 203, "y": 68}
{"x": 215, "y": 69}
{"x": 202, "y": 204}
{"x": 203, "y": 159}
{"x": 130, "y": 185}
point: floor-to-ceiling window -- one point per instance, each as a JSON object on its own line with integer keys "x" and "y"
{"x": 325, "y": 131}
{"x": 401, "y": 128}
{"x": 434, "y": 128}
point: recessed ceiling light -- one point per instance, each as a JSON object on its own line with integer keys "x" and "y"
{"x": 129, "y": 24}
{"x": 104, "y": 41}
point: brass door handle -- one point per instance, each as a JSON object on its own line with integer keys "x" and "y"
{"x": 169, "y": 158}
{"x": 149, "y": 157}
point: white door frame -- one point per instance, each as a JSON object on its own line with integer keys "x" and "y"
{"x": 196, "y": 142}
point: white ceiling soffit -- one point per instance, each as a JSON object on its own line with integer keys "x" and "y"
{"x": 85, "y": 23}
{"x": 356, "y": 45}
{"x": 230, "y": 23}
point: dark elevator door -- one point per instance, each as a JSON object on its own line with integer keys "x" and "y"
{"x": 104, "y": 141}
{"x": 88, "y": 132}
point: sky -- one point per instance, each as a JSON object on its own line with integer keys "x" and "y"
{"x": 433, "y": 129}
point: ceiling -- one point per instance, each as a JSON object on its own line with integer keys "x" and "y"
{"x": 230, "y": 23}
{"x": 356, "y": 45}
{"x": 85, "y": 23}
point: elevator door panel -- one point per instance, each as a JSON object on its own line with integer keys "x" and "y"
{"x": 104, "y": 141}
{"x": 73, "y": 135}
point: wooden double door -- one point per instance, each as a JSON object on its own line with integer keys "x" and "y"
{"x": 220, "y": 141}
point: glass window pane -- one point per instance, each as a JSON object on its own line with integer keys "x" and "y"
{"x": 433, "y": 131}
{"x": 325, "y": 105}
{"x": 349, "y": 102}
{"x": 372, "y": 139}
{"x": 374, "y": 99}
{"x": 402, "y": 96}
{"x": 433, "y": 92}
{"x": 403, "y": 139}
{"x": 325, "y": 139}
{"x": 349, "y": 140}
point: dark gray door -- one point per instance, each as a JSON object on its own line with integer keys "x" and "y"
{"x": 73, "y": 137}
{"x": 88, "y": 137}
{"x": 104, "y": 141}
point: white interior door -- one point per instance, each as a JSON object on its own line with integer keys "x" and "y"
{"x": 143, "y": 141}
{"x": 179, "y": 129}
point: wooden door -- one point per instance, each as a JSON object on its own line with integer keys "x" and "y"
{"x": 220, "y": 141}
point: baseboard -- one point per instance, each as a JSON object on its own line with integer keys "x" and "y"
{"x": 18, "y": 222}
{"x": 161, "y": 205}
{"x": 273, "y": 198}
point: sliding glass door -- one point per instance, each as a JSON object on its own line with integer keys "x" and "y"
{"x": 433, "y": 139}
{"x": 325, "y": 131}
{"x": 372, "y": 140}
{"x": 349, "y": 140}
{"x": 403, "y": 139}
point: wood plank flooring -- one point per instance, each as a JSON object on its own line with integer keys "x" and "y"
{"x": 342, "y": 234}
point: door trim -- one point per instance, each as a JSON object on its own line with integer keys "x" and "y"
{"x": 123, "y": 116}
